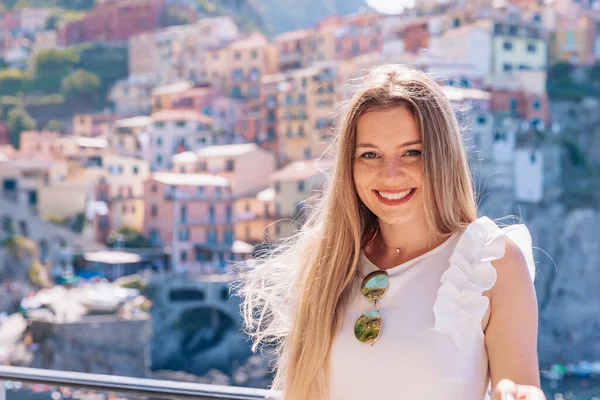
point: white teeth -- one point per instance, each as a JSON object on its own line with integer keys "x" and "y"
{"x": 395, "y": 196}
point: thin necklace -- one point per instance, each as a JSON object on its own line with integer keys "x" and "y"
{"x": 397, "y": 249}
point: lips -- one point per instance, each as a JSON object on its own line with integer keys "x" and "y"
{"x": 394, "y": 198}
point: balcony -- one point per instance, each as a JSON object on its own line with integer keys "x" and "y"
{"x": 150, "y": 388}
{"x": 208, "y": 221}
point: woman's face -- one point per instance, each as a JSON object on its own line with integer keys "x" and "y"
{"x": 388, "y": 165}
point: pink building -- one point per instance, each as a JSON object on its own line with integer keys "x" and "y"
{"x": 416, "y": 37}
{"x": 4, "y": 140}
{"x": 113, "y": 21}
{"x": 41, "y": 144}
{"x": 193, "y": 214}
{"x": 529, "y": 107}
{"x": 360, "y": 34}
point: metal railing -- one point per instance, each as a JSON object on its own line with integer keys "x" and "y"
{"x": 129, "y": 386}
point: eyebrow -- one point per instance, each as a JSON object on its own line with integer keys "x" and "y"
{"x": 405, "y": 144}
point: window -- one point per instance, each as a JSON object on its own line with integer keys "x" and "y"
{"x": 289, "y": 100}
{"x": 159, "y": 159}
{"x": 180, "y": 124}
{"x": 374, "y": 43}
{"x": 183, "y": 235}
{"x": 136, "y": 170}
{"x": 301, "y": 98}
{"x": 183, "y": 256}
{"x": 277, "y": 209}
{"x": 307, "y": 153}
{"x": 513, "y": 30}
{"x": 481, "y": 120}
{"x": 513, "y": 104}
{"x": 301, "y": 186}
{"x": 237, "y": 74}
{"x": 507, "y": 67}
{"x": 271, "y": 116}
{"x": 154, "y": 236}
{"x": 200, "y": 191}
{"x": 211, "y": 213}
{"x": 237, "y": 55}
{"x": 355, "y": 47}
{"x": 287, "y": 116}
{"x": 154, "y": 210}
{"x": 229, "y": 165}
{"x": 254, "y": 54}
{"x": 338, "y": 47}
{"x": 254, "y": 74}
{"x": 524, "y": 67}
{"x": 159, "y": 124}
{"x": 497, "y": 29}
{"x": 236, "y": 92}
{"x": 277, "y": 187}
{"x": 270, "y": 133}
{"x": 531, "y": 48}
{"x": 304, "y": 82}
{"x": 508, "y": 46}
{"x": 228, "y": 236}
{"x": 532, "y": 158}
{"x": 211, "y": 236}
{"x": 183, "y": 213}
{"x": 288, "y": 132}
{"x": 301, "y": 115}
{"x": 301, "y": 131}
{"x": 158, "y": 141}
{"x": 536, "y": 105}
{"x": 218, "y": 192}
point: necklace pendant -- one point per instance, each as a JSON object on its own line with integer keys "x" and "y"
{"x": 398, "y": 251}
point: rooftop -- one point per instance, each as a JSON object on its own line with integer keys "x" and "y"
{"x": 226, "y": 150}
{"x": 171, "y": 178}
{"x": 300, "y": 170}
{"x": 173, "y": 88}
{"x": 454, "y": 93}
{"x": 133, "y": 122}
{"x": 185, "y": 115}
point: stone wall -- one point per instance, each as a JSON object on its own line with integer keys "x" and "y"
{"x": 96, "y": 344}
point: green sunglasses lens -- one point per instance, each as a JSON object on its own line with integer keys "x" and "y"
{"x": 368, "y": 326}
{"x": 374, "y": 285}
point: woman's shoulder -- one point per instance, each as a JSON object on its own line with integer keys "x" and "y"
{"x": 481, "y": 249}
{"x": 484, "y": 240}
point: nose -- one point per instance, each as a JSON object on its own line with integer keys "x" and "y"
{"x": 393, "y": 168}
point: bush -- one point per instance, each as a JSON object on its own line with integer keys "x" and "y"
{"x": 81, "y": 84}
{"x": 12, "y": 81}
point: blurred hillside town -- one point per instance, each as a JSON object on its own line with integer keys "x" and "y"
{"x": 165, "y": 140}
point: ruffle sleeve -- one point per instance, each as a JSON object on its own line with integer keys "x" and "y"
{"x": 460, "y": 304}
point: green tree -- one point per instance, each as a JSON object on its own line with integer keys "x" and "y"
{"x": 174, "y": 16}
{"x": 18, "y": 121}
{"x": 53, "y": 125}
{"x": 81, "y": 84}
{"x": 50, "y": 66}
{"x": 110, "y": 63}
{"x": 3, "y": 63}
{"x": 52, "y": 22}
{"x": 594, "y": 72}
{"x": 12, "y": 81}
{"x": 128, "y": 238}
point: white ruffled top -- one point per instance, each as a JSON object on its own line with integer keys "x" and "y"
{"x": 431, "y": 345}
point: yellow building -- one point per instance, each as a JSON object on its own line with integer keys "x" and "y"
{"x": 246, "y": 165}
{"x": 518, "y": 46}
{"x": 254, "y": 217}
{"x": 305, "y": 107}
{"x": 237, "y": 68}
{"x": 573, "y": 41}
{"x": 294, "y": 186}
{"x": 161, "y": 96}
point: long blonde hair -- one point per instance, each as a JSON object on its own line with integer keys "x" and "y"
{"x": 295, "y": 297}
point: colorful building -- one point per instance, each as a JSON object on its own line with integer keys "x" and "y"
{"x": 247, "y": 166}
{"x": 255, "y": 218}
{"x": 178, "y": 131}
{"x": 193, "y": 214}
{"x": 304, "y": 100}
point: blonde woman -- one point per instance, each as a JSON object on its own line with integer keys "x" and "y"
{"x": 394, "y": 288}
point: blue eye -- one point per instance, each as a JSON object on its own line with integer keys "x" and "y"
{"x": 368, "y": 155}
{"x": 413, "y": 153}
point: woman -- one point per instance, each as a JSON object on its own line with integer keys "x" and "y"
{"x": 394, "y": 289}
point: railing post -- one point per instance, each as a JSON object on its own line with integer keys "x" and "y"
{"x": 2, "y": 391}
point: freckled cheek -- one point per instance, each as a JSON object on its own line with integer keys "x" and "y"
{"x": 363, "y": 179}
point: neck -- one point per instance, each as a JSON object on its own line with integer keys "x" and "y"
{"x": 410, "y": 238}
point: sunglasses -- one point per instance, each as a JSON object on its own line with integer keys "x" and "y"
{"x": 368, "y": 326}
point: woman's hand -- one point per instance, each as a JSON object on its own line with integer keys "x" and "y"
{"x": 508, "y": 390}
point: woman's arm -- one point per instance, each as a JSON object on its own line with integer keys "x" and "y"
{"x": 511, "y": 333}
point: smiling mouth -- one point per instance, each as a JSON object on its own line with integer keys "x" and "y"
{"x": 395, "y": 195}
